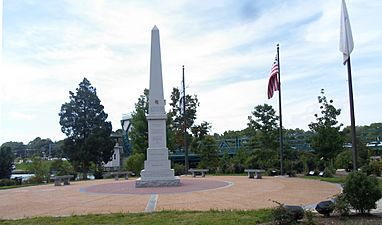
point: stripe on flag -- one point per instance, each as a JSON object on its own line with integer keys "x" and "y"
{"x": 273, "y": 83}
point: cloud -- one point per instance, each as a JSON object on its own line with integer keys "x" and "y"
{"x": 227, "y": 48}
{"x": 21, "y": 116}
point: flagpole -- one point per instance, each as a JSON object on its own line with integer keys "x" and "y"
{"x": 184, "y": 125}
{"x": 346, "y": 47}
{"x": 352, "y": 117}
{"x": 281, "y": 121}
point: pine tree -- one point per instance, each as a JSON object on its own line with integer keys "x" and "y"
{"x": 83, "y": 120}
{"x": 6, "y": 162}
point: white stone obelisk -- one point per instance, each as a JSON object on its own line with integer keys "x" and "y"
{"x": 157, "y": 171}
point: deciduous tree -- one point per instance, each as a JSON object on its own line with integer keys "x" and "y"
{"x": 199, "y": 132}
{"x": 177, "y": 118}
{"x": 208, "y": 152}
{"x": 17, "y": 147}
{"x": 327, "y": 140}
{"x": 40, "y": 146}
{"x": 139, "y": 130}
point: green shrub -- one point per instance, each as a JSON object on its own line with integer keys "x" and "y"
{"x": 309, "y": 218}
{"x": 223, "y": 163}
{"x": 135, "y": 163}
{"x": 291, "y": 173}
{"x": 376, "y": 168}
{"x": 367, "y": 169}
{"x": 178, "y": 169}
{"x": 298, "y": 166}
{"x": 252, "y": 162}
{"x": 7, "y": 182}
{"x": 328, "y": 172}
{"x": 272, "y": 172}
{"x": 282, "y": 216}
{"x": 344, "y": 160}
{"x": 341, "y": 205}
{"x": 61, "y": 167}
{"x": 36, "y": 180}
{"x": 98, "y": 171}
{"x": 41, "y": 170}
{"x": 362, "y": 192}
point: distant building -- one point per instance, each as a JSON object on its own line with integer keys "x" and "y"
{"x": 374, "y": 144}
{"x": 115, "y": 162}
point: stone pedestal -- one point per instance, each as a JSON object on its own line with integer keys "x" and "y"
{"x": 157, "y": 169}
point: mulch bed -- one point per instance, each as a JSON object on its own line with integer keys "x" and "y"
{"x": 372, "y": 219}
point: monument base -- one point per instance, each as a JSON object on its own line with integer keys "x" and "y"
{"x": 157, "y": 183}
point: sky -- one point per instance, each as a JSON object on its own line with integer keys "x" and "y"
{"x": 226, "y": 46}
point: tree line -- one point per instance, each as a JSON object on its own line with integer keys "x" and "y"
{"x": 323, "y": 145}
{"x": 88, "y": 143}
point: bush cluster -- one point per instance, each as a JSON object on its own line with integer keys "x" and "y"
{"x": 61, "y": 167}
{"x": 135, "y": 163}
{"x": 362, "y": 192}
{"x": 341, "y": 205}
{"x": 282, "y": 216}
{"x": 178, "y": 169}
{"x": 7, "y": 182}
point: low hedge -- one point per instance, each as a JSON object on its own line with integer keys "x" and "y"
{"x": 7, "y": 182}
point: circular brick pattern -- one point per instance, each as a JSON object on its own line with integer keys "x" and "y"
{"x": 128, "y": 187}
{"x": 82, "y": 197}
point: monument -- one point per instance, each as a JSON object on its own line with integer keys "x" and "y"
{"x": 157, "y": 171}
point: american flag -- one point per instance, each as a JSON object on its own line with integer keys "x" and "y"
{"x": 273, "y": 83}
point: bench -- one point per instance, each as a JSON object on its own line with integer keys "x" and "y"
{"x": 59, "y": 179}
{"x": 341, "y": 172}
{"x": 253, "y": 172}
{"x": 311, "y": 173}
{"x": 117, "y": 174}
{"x": 201, "y": 171}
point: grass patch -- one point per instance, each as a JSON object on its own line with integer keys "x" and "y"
{"x": 18, "y": 186}
{"x": 9, "y": 187}
{"x": 337, "y": 180}
{"x": 23, "y": 166}
{"x": 212, "y": 217}
{"x": 159, "y": 218}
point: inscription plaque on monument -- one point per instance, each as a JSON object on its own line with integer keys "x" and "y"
{"x": 157, "y": 171}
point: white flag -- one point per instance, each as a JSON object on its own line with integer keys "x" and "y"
{"x": 346, "y": 37}
{"x": 181, "y": 98}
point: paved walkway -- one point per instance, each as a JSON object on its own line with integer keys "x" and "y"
{"x": 239, "y": 192}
